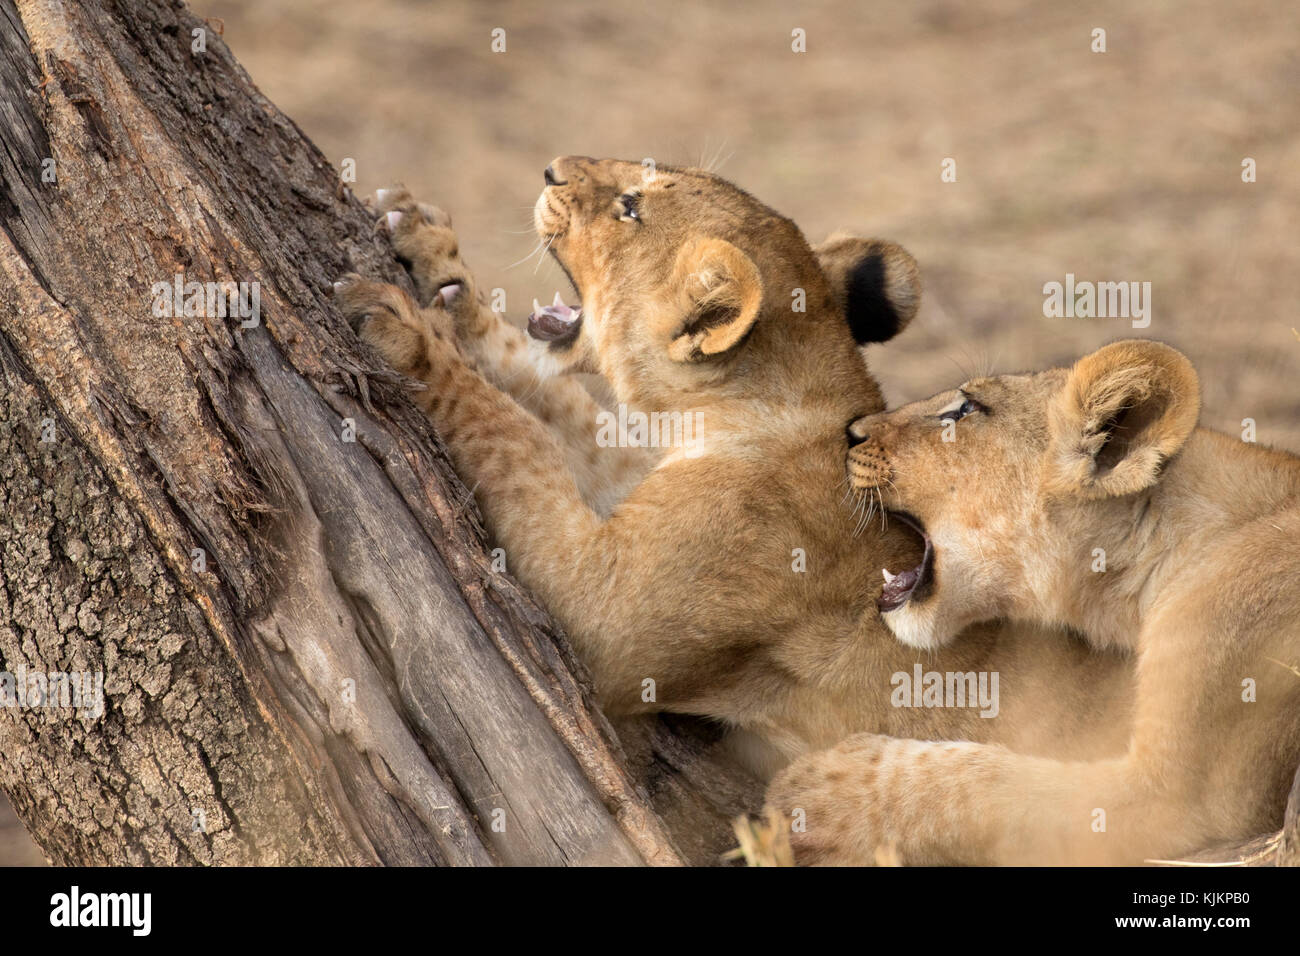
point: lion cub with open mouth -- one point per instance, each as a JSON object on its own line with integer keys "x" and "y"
{"x": 1087, "y": 498}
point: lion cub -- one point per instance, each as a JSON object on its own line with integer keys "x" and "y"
{"x": 1087, "y": 498}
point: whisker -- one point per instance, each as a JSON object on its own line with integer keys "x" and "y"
{"x": 962, "y": 370}
{"x": 542, "y": 255}
{"x": 531, "y": 253}
{"x": 858, "y": 504}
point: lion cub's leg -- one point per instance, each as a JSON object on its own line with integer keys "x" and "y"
{"x": 554, "y": 541}
{"x": 960, "y": 802}
{"x": 427, "y": 245}
{"x": 957, "y": 802}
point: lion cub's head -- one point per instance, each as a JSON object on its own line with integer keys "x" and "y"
{"x": 684, "y": 279}
{"x": 1009, "y": 479}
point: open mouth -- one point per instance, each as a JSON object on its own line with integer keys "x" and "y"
{"x": 556, "y": 323}
{"x": 914, "y": 582}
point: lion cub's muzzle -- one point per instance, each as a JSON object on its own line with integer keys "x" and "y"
{"x": 871, "y": 473}
{"x": 556, "y": 324}
{"x": 550, "y": 215}
{"x": 568, "y": 197}
{"x": 868, "y": 464}
{"x": 560, "y": 200}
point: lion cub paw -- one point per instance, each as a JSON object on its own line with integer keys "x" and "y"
{"x": 427, "y": 246}
{"x": 828, "y": 801}
{"x": 390, "y": 321}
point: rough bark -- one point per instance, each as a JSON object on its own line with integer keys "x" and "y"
{"x": 344, "y": 678}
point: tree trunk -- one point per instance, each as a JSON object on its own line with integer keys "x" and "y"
{"x": 307, "y": 656}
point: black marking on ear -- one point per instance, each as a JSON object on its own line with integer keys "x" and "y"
{"x": 871, "y": 316}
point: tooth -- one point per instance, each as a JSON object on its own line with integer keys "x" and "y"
{"x": 558, "y": 300}
{"x": 537, "y": 309}
{"x": 889, "y": 578}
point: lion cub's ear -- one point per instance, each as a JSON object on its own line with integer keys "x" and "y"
{"x": 1124, "y": 411}
{"x": 875, "y": 283}
{"x": 722, "y": 292}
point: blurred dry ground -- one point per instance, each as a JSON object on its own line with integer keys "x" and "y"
{"x": 16, "y": 847}
{"x": 1117, "y": 166}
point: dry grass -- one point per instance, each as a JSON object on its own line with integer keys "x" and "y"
{"x": 762, "y": 842}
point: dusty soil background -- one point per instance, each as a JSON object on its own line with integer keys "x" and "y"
{"x": 1115, "y": 166}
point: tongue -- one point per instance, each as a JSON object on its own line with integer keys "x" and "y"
{"x": 894, "y": 591}
{"x": 555, "y": 321}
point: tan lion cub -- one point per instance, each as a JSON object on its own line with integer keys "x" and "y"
{"x": 1087, "y": 498}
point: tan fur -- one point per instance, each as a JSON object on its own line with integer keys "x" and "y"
{"x": 687, "y": 578}
{"x": 1199, "y": 536}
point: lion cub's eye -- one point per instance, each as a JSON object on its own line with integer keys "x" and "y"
{"x": 968, "y": 407}
{"x": 631, "y": 203}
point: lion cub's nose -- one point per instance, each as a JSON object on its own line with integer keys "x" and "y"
{"x": 856, "y": 431}
{"x": 550, "y": 177}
